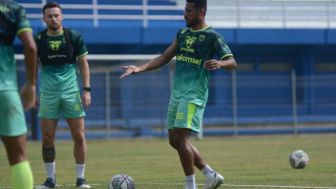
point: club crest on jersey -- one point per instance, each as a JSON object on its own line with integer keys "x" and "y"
{"x": 190, "y": 40}
{"x": 54, "y": 45}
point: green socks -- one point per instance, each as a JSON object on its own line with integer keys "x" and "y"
{"x": 22, "y": 177}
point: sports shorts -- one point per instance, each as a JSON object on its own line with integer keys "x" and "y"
{"x": 55, "y": 106}
{"x": 12, "y": 119}
{"x": 184, "y": 115}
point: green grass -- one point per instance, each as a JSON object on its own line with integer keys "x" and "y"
{"x": 244, "y": 160}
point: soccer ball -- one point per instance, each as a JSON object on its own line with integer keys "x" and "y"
{"x": 298, "y": 159}
{"x": 121, "y": 181}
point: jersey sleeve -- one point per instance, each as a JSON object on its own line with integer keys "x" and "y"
{"x": 221, "y": 48}
{"x": 178, "y": 34}
{"x": 22, "y": 23}
{"x": 79, "y": 45}
{"x": 37, "y": 37}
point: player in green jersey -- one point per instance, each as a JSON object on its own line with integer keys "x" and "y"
{"x": 194, "y": 48}
{"x": 59, "y": 49}
{"x": 13, "y": 129}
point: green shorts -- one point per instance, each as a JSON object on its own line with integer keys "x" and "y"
{"x": 12, "y": 119}
{"x": 55, "y": 106}
{"x": 185, "y": 115}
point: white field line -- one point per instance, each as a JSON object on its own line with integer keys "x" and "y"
{"x": 253, "y": 186}
{"x": 277, "y": 186}
{"x": 228, "y": 185}
{"x": 250, "y": 186}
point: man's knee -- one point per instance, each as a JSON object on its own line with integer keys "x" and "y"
{"x": 79, "y": 138}
{"x": 177, "y": 142}
{"x": 172, "y": 143}
{"x": 47, "y": 140}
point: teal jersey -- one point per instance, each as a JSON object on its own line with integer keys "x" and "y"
{"x": 193, "y": 49}
{"x": 62, "y": 77}
{"x": 13, "y": 21}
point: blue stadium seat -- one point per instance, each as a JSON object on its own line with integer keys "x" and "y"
{"x": 120, "y": 23}
{"x": 120, "y": 12}
{"x": 77, "y": 11}
{"x": 112, "y": 17}
{"x": 72, "y": 1}
{"x": 161, "y": 2}
{"x": 28, "y": 1}
{"x": 120, "y": 2}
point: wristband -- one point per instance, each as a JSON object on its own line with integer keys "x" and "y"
{"x": 88, "y": 89}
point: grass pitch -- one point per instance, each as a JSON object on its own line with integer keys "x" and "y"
{"x": 245, "y": 161}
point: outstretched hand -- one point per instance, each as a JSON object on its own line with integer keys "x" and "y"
{"x": 129, "y": 70}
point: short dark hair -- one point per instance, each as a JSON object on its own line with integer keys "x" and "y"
{"x": 50, "y": 5}
{"x": 199, "y": 4}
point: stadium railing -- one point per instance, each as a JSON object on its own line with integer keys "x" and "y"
{"x": 238, "y": 103}
{"x": 224, "y": 14}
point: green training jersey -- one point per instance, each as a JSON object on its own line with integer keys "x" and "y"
{"x": 193, "y": 49}
{"x": 62, "y": 77}
{"x": 13, "y": 21}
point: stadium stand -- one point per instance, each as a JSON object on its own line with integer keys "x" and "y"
{"x": 229, "y": 13}
{"x": 271, "y": 39}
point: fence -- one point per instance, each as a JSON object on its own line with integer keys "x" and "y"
{"x": 225, "y": 14}
{"x": 272, "y": 13}
{"x": 238, "y": 103}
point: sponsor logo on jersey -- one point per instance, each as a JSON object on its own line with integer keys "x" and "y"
{"x": 187, "y": 59}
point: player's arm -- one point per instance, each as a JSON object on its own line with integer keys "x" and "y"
{"x": 152, "y": 64}
{"x": 85, "y": 74}
{"x": 28, "y": 91}
{"x": 228, "y": 63}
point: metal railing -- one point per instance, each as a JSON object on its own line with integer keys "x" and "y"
{"x": 284, "y": 103}
{"x": 273, "y": 14}
{"x": 225, "y": 14}
{"x": 96, "y": 17}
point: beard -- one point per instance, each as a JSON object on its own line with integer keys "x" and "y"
{"x": 192, "y": 23}
{"x": 54, "y": 27}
